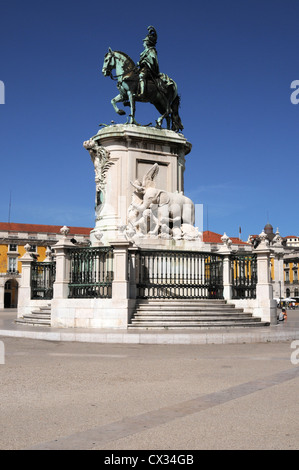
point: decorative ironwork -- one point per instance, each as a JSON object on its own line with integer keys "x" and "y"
{"x": 244, "y": 276}
{"x": 42, "y": 280}
{"x": 179, "y": 275}
{"x": 91, "y": 272}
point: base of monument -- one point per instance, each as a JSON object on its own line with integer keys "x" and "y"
{"x": 123, "y": 156}
{"x": 91, "y": 313}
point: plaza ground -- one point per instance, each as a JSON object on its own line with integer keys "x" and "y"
{"x": 75, "y": 395}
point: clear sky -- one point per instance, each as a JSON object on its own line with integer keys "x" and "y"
{"x": 234, "y": 62}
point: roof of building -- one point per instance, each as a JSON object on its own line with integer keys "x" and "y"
{"x": 33, "y": 228}
{"x": 213, "y": 237}
{"x": 291, "y": 236}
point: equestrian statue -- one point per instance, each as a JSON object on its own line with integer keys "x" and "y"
{"x": 144, "y": 82}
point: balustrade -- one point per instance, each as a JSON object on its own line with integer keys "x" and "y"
{"x": 91, "y": 272}
{"x": 42, "y": 280}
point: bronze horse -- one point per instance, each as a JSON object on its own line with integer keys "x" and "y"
{"x": 164, "y": 97}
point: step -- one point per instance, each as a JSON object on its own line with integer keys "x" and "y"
{"x": 33, "y": 321}
{"x": 37, "y": 317}
{"x": 188, "y": 310}
{"x": 190, "y": 313}
{"x": 181, "y": 301}
{"x": 198, "y": 325}
{"x": 41, "y": 312}
{"x": 148, "y": 318}
{"x": 195, "y": 326}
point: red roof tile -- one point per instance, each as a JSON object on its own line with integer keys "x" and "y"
{"x": 33, "y": 228}
{"x": 212, "y": 237}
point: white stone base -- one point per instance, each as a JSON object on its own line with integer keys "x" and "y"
{"x": 91, "y": 313}
{"x": 265, "y": 310}
{"x": 156, "y": 243}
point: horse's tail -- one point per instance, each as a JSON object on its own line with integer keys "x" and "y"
{"x": 175, "y": 117}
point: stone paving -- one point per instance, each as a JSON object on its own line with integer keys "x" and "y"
{"x": 130, "y": 396}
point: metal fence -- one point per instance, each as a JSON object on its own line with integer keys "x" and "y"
{"x": 159, "y": 274}
{"x": 244, "y": 276}
{"x": 42, "y": 280}
{"x": 179, "y": 275}
{"x": 91, "y": 272}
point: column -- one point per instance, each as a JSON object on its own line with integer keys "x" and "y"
{"x": 61, "y": 284}
{"x": 120, "y": 284}
{"x": 25, "y": 284}
{"x": 266, "y": 306}
{"x": 226, "y": 250}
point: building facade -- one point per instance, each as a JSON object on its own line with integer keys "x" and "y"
{"x": 13, "y": 239}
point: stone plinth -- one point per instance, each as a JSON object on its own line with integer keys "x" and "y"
{"x": 122, "y": 154}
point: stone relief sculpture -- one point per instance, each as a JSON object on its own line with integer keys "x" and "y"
{"x": 101, "y": 160}
{"x": 158, "y": 213}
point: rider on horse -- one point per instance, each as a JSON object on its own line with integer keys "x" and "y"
{"x": 149, "y": 66}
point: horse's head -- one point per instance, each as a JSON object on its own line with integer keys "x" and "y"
{"x": 109, "y": 63}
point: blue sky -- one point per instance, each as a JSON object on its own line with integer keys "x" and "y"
{"x": 233, "y": 61}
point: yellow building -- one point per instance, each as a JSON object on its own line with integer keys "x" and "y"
{"x": 13, "y": 238}
{"x": 291, "y": 281}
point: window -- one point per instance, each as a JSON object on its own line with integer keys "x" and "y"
{"x": 33, "y": 248}
{"x": 296, "y": 275}
{"x": 12, "y": 265}
{"x": 13, "y": 247}
{"x": 287, "y": 276}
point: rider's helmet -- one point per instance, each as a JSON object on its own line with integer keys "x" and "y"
{"x": 151, "y": 38}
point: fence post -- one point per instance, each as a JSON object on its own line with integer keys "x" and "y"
{"x": 24, "y": 296}
{"x": 278, "y": 281}
{"x": 61, "y": 284}
{"x": 120, "y": 283}
{"x": 133, "y": 271}
{"x": 266, "y": 306}
{"x": 226, "y": 250}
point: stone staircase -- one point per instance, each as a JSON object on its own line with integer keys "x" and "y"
{"x": 38, "y": 317}
{"x": 182, "y": 313}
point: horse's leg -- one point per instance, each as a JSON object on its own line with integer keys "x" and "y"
{"x": 132, "y": 106}
{"x": 159, "y": 121}
{"x": 163, "y": 106}
{"x": 175, "y": 117}
{"x": 115, "y": 100}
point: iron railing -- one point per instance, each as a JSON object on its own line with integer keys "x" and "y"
{"x": 91, "y": 272}
{"x": 179, "y": 274}
{"x": 42, "y": 280}
{"x": 244, "y": 276}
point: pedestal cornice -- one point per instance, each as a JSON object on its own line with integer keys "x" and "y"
{"x": 131, "y": 132}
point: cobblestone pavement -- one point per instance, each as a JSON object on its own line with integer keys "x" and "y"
{"x": 66, "y": 395}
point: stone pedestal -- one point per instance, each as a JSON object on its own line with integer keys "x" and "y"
{"x": 266, "y": 306}
{"x": 122, "y": 154}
